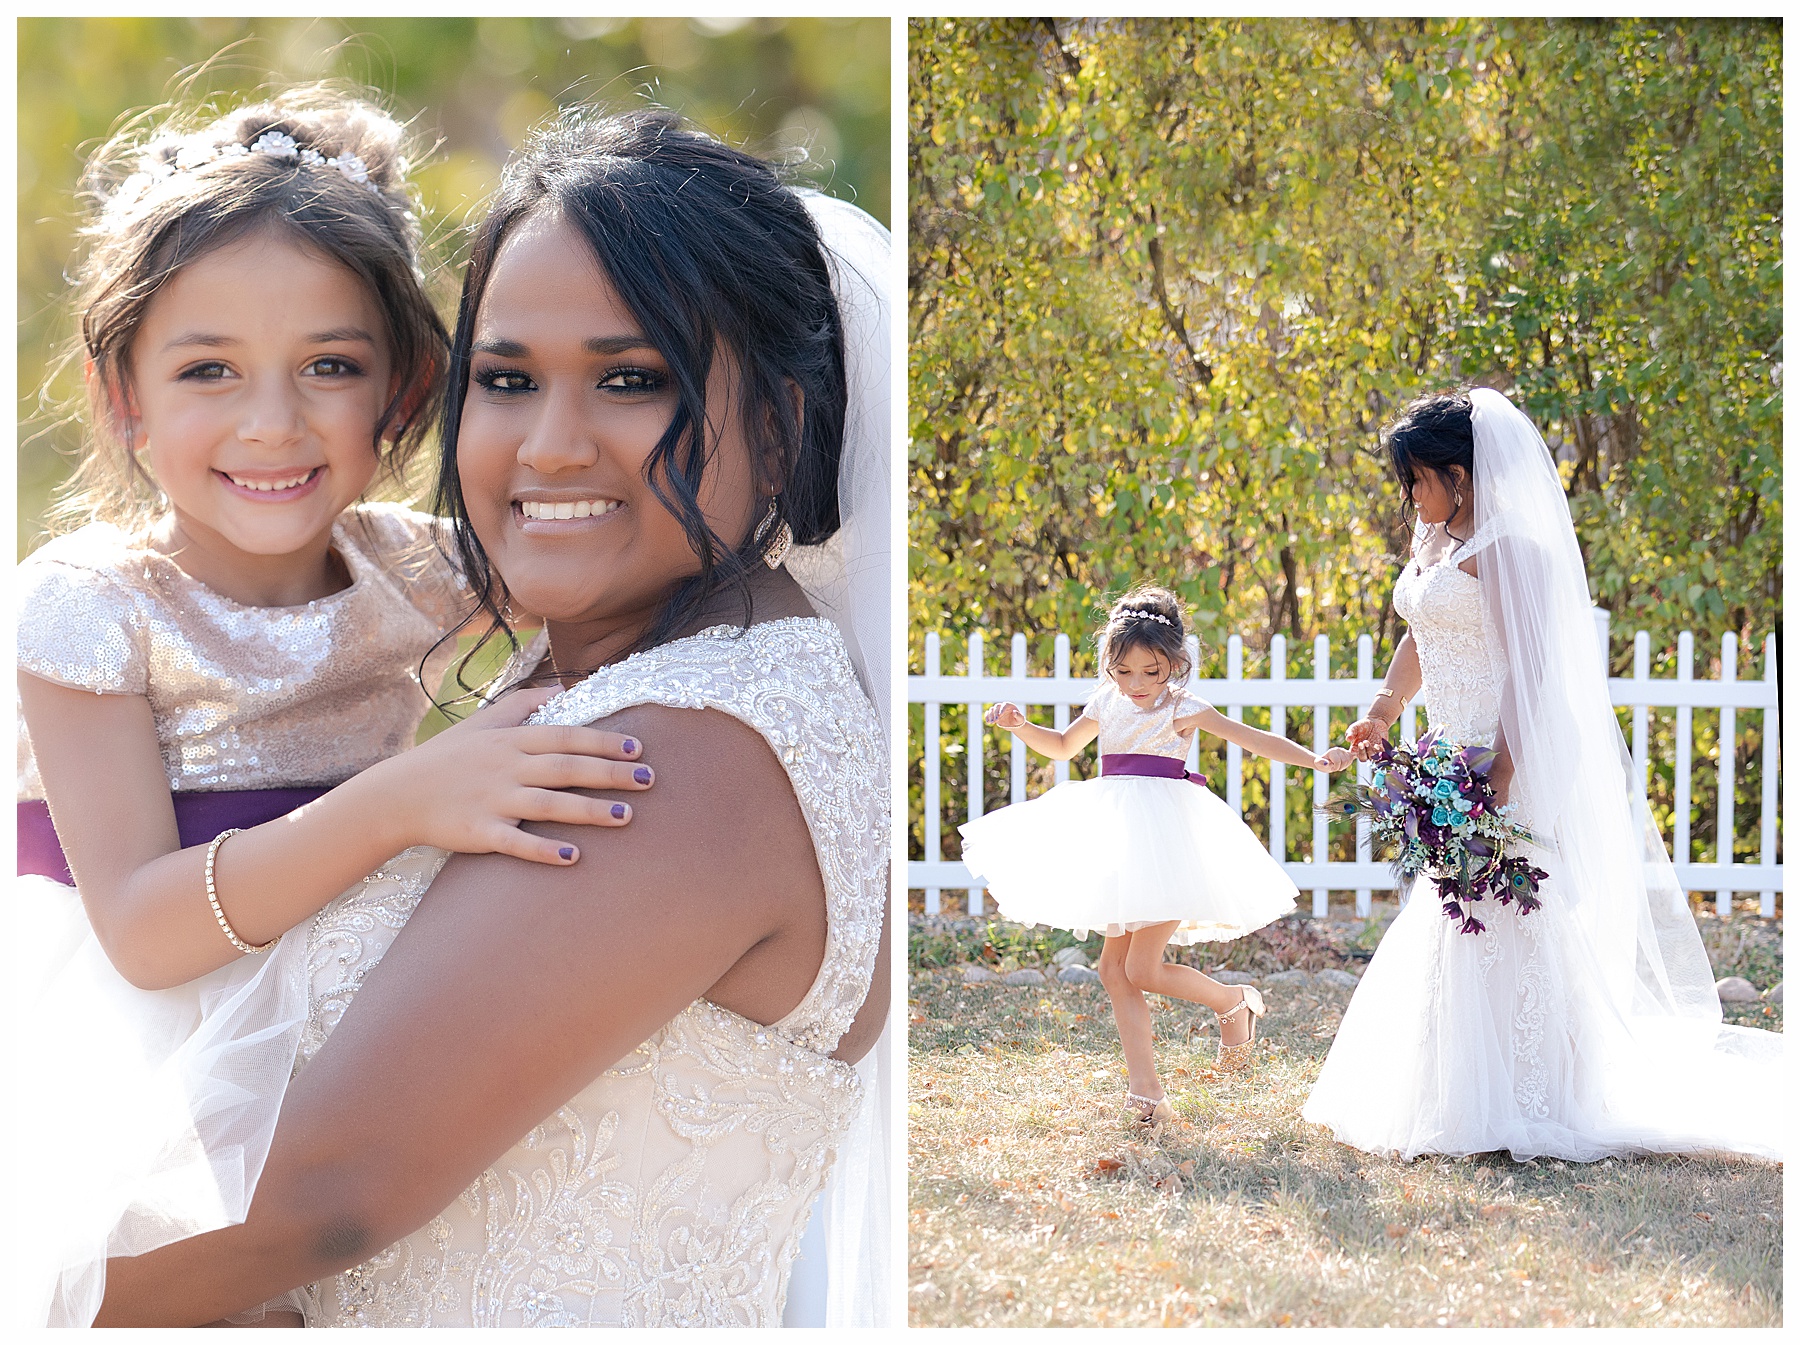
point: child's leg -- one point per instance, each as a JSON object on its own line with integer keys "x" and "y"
{"x": 1132, "y": 1016}
{"x": 1145, "y": 969}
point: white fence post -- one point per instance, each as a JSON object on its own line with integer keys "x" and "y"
{"x": 1726, "y": 814}
{"x": 1277, "y": 771}
{"x": 1234, "y": 755}
{"x": 934, "y": 842}
{"x": 1321, "y": 739}
{"x": 1018, "y": 743}
{"x": 977, "y": 775}
{"x": 1193, "y": 653}
{"x": 1684, "y": 748}
{"x": 1061, "y": 715}
{"x": 1771, "y": 748}
{"x": 1365, "y": 671}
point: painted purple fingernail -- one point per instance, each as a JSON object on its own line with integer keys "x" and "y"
{"x": 630, "y": 746}
{"x": 641, "y": 775}
{"x": 567, "y": 852}
{"x": 619, "y": 811}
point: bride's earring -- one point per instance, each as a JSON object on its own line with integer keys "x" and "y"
{"x": 774, "y": 537}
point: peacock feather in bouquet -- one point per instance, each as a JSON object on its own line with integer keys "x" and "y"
{"x": 1432, "y": 810}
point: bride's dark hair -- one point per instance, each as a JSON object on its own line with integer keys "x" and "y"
{"x": 710, "y": 250}
{"x": 1435, "y": 432}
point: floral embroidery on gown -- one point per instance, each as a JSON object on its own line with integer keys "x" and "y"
{"x": 673, "y": 1190}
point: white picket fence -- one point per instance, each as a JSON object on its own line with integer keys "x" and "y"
{"x": 972, "y": 691}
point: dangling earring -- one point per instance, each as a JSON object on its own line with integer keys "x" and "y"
{"x": 774, "y": 536}
{"x": 1458, "y": 502}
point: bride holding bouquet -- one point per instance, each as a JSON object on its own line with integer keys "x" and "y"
{"x": 1581, "y": 1022}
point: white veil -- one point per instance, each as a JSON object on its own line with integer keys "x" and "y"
{"x": 850, "y": 580}
{"x": 1668, "y": 1075}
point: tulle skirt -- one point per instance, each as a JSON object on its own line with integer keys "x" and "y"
{"x": 1470, "y": 1043}
{"x": 1125, "y": 851}
{"x": 141, "y": 1117}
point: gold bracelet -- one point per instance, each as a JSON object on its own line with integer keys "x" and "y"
{"x": 212, "y": 896}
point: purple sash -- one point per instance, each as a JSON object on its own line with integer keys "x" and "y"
{"x": 1148, "y": 763}
{"x": 198, "y": 818}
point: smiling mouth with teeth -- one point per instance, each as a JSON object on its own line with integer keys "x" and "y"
{"x": 282, "y": 483}
{"x": 547, "y": 509}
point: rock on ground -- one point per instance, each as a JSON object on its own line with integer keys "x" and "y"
{"x": 1234, "y": 977}
{"x": 1773, "y": 993}
{"x": 1337, "y": 976}
{"x": 1078, "y": 976}
{"x": 1292, "y": 976}
{"x": 1028, "y": 976}
{"x": 972, "y": 974}
{"x": 1070, "y": 957}
{"x": 1736, "y": 990}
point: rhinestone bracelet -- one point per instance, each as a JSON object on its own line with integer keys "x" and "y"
{"x": 212, "y": 896}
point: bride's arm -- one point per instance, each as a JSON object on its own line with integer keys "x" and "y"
{"x": 1401, "y": 685}
{"x": 511, "y": 989}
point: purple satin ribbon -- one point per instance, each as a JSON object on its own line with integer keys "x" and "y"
{"x": 198, "y": 818}
{"x": 1148, "y": 763}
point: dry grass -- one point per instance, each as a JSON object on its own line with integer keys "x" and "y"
{"x": 1033, "y": 1202}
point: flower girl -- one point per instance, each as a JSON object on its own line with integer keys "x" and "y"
{"x": 1146, "y": 853}
{"x": 218, "y": 668}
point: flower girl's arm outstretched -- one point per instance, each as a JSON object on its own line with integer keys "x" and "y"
{"x": 1263, "y": 744}
{"x": 146, "y": 896}
{"x": 1058, "y": 745}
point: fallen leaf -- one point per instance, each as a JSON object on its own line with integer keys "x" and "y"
{"x": 1396, "y": 1231}
{"x": 1491, "y": 1211}
{"x": 1187, "y": 1168}
{"x": 1109, "y": 1214}
{"x": 1705, "y": 1218}
{"x": 1108, "y": 1164}
{"x": 1583, "y": 1186}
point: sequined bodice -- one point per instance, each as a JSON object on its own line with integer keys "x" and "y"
{"x": 246, "y": 697}
{"x": 1461, "y": 659}
{"x": 1149, "y": 731}
{"x": 672, "y": 1190}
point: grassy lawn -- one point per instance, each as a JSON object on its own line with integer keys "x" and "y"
{"x": 1034, "y": 1202}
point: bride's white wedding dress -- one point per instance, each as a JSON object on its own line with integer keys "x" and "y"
{"x": 1588, "y": 1027}
{"x": 674, "y": 1189}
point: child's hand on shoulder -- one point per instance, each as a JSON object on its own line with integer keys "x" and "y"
{"x": 1005, "y": 715}
{"x": 468, "y": 788}
{"x": 1335, "y": 759}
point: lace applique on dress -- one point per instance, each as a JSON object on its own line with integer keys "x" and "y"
{"x": 673, "y": 1190}
{"x": 1462, "y": 664}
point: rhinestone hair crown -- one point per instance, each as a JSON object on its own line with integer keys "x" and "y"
{"x": 1143, "y": 614}
{"x": 272, "y": 144}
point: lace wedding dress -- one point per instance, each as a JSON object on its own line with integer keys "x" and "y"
{"x": 1459, "y": 1044}
{"x": 674, "y": 1189}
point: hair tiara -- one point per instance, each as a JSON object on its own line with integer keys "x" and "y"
{"x": 271, "y": 144}
{"x": 1143, "y": 614}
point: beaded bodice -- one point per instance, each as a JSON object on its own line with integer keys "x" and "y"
{"x": 246, "y": 697}
{"x": 1461, "y": 659}
{"x": 673, "y": 1190}
{"x": 1149, "y": 731}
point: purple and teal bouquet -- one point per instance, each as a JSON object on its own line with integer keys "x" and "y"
{"x": 1432, "y": 809}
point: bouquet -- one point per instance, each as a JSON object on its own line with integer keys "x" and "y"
{"x": 1432, "y": 809}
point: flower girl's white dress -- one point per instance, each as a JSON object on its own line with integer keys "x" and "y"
{"x": 1124, "y": 851}
{"x": 1468, "y": 1043}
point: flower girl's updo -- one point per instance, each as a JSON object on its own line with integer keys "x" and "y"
{"x": 325, "y": 168}
{"x": 1151, "y": 619}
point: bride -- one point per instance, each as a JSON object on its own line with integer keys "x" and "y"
{"x": 611, "y": 1096}
{"x": 1588, "y": 1027}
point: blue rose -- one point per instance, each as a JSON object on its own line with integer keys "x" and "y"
{"x": 1440, "y": 816}
{"x": 1445, "y": 790}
